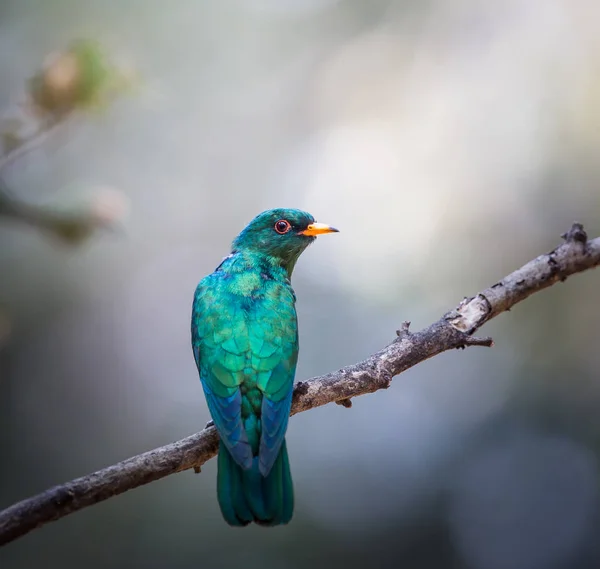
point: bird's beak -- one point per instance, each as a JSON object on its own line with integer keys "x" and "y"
{"x": 315, "y": 229}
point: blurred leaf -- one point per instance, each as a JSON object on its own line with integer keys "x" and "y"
{"x": 81, "y": 77}
{"x": 73, "y": 230}
{"x": 107, "y": 208}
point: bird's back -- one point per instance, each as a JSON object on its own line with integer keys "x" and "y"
{"x": 245, "y": 340}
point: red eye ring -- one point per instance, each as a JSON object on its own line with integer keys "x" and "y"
{"x": 282, "y": 226}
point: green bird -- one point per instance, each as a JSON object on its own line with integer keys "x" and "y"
{"x": 245, "y": 343}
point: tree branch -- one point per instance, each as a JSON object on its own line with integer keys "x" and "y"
{"x": 453, "y": 330}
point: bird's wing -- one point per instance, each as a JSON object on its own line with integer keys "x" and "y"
{"x": 220, "y": 342}
{"x": 274, "y": 357}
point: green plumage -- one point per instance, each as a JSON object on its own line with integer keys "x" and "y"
{"x": 245, "y": 342}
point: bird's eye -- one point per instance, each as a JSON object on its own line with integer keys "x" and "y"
{"x": 282, "y": 226}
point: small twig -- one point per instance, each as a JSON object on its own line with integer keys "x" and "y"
{"x": 486, "y": 342}
{"x": 453, "y": 330}
{"x": 33, "y": 141}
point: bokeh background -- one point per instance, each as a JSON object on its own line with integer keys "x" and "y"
{"x": 451, "y": 141}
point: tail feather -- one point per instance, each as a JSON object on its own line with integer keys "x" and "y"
{"x": 246, "y": 496}
{"x": 229, "y": 491}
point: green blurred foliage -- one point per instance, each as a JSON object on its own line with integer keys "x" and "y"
{"x": 80, "y": 77}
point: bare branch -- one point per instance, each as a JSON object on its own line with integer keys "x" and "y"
{"x": 453, "y": 330}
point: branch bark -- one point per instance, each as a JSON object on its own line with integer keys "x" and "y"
{"x": 453, "y": 330}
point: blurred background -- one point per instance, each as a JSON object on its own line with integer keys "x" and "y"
{"x": 450, "y": 141}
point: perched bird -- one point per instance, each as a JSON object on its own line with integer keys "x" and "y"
{"x": 245, "y": 343}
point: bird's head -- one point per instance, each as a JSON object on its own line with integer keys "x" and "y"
{"x": 280, "y": 234}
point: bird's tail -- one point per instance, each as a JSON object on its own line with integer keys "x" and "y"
{"x": 246, "y": 496}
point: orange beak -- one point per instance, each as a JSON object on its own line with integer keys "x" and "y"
{"x": 315, "y": 229}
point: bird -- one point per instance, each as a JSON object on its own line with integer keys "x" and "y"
{"x": 245, "y": 344}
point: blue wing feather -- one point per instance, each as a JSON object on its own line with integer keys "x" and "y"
{"x": 274, "y": 421}
{"x": 227, "y": 416}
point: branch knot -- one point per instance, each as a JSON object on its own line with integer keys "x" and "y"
{"x": 576, "y": 234}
